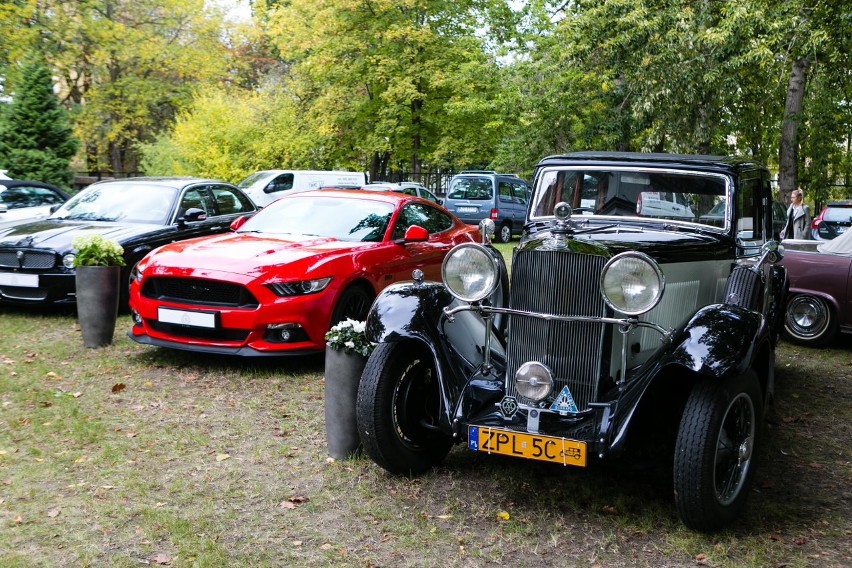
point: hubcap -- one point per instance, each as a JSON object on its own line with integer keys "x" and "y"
{"x": 807, "y": 317}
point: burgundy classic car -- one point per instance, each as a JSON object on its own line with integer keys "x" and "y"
{"x": 819, "y": 303}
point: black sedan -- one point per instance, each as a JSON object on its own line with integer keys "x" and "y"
{"x": 22, "y": 201}
{"x": 140, "y": 214}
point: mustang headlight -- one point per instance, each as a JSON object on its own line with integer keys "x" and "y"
{"x": 299, "y": 288}
{"x": 632, "y": 283}
{"x": 534, "y": 381}
{"x": 470, "y": 273}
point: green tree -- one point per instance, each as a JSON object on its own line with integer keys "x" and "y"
{"x": 36, "y": 139}
{"x": 389, "y": 83}
{"x": 125, "y": 67}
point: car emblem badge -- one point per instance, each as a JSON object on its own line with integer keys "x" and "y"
{"x": 564, "y": 403}
{"x": 508, "y": 406}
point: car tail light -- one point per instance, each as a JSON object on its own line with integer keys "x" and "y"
{"x": 818, "y": 219}
{"x": 494, "y": 214}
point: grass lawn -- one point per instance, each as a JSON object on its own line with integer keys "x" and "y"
{"x": 131, "y": 455}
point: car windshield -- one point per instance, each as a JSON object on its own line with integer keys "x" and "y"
{"x": 253, "y": 178}
{"x": 838, "y": 213}
{"x": 323, "y": 216}
{"x": 477, "y": 188}
{"x": 116, "y": 201}
{"x": 678, "y": 196}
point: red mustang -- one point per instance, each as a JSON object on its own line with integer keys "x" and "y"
{"x": 277, "y": 283}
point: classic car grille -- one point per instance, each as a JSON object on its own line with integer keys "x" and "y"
{"x": 195, "y": 291}
{"x": 560, "y": 283}
{"x": 37, "y": 260}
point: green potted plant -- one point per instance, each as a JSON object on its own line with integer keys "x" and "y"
{"x": 346, "y": 353}
{"x": 97, "y": 263}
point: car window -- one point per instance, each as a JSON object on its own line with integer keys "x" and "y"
{"x": 504, "y": 190}
{"x": 427, "y": 217}
{"x": 28, "y": 196}
{"x": 476, "y": 188}
{"x": 193, "y": 199}
{"x": 228, "y": 202}
{"x": 747, "y": 210}
{"x": 280, "y": 183}
{"x": 116, "y": 201}
{"x": 426, "y": 194}
{"x": 838, "y": 214}
{"x": 323, "y": 216}
{"x": 652, "y": 194}
{"x": 519, "y": 190}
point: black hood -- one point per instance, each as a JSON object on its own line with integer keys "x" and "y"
{"x": 57, "y": 234}
{"x": 670, "y": 244}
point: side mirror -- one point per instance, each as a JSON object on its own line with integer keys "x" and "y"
{"x": 4, "y": 208}
{"x": 238, "y": 222}
{"x": 192, "y": 214}
{"x": 53, "y": 208}
{"x": 414, "y": 234}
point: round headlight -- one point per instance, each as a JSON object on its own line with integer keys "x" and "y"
{"x": 534, "y": 381}
{"x": 632, "y": 283}
{"x": 470, "y": 273}
{"x": 68, "y": 260}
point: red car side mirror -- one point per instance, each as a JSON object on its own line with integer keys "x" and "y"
{"x": 238, "y": 222}
{"x": 414, "y": 234}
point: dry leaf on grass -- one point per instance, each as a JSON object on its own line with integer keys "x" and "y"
{"x": 118, "y": 387}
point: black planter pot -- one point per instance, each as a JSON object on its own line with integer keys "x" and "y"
{"x": 97, "y": 303}
{"x": 342, "y": 375}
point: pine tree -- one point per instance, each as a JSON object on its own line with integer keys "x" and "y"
{"x": 36, "y": 140}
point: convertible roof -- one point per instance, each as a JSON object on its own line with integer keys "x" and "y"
{"x": 839, "y": 245}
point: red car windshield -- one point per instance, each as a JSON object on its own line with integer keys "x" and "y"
{"x": 323, "y": 216}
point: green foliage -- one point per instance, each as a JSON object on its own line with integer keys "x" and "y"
{"x": 36, "y": 140}
{"x": 96, "y": 250}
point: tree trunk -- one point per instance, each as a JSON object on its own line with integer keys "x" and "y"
{"x": 788, "y": 153}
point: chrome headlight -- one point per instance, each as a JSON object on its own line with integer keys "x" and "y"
{"x": 534, "y": 381}
{"x": 68, "y": 260}
{"x": 299, "y": 288}
{"x": 632, "y": 283}
{"x": 470, "y": 273}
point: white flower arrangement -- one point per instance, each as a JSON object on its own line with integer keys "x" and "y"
{"x": 348, "y": 335}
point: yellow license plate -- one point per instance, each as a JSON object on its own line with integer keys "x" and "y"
{"x": 529, "y": 446}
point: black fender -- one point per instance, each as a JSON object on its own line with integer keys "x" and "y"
{"x": 414, "y": 311}
{"x": 719, "y": 341}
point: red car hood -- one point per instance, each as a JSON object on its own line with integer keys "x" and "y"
{"x": 246, "y": 253}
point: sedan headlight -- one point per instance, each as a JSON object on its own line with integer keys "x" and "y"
{"x": 68, "y": 260}
{"x": 632, "y": 283}
{"x": 299, "y": 288}
{"x": 470, "y": 273}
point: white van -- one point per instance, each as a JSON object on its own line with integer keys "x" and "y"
{"x": 266, "y": 186}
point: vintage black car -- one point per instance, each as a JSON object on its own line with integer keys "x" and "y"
{"x": 36, "y": 259}
{"x": 620, "y": 331}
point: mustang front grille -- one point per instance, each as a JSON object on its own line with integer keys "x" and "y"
{"x": 36, "y": 260}
{"x": 195, "y": 291}
{"x": 559, "y": 283}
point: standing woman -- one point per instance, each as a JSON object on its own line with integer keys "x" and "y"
{"x": 798, "y": 218}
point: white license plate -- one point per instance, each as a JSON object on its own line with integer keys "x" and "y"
{"x": 186, "y": 317}
{"x": 467, "y": 209}
{"x": 20, "y": 280}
